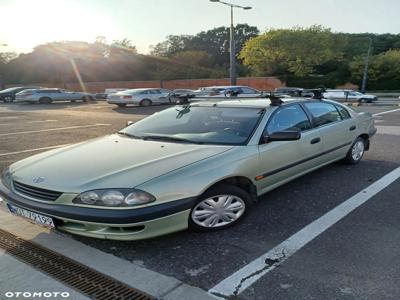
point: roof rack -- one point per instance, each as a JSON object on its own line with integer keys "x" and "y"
{"x": 275, "y": 100}
{"x": 318, "y": 93}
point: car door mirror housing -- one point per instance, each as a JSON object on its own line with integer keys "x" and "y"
{"x": 291, "y": 135}
{"x": 129, "y": 123}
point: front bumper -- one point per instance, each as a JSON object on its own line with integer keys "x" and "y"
{"x": 113, "y": 224}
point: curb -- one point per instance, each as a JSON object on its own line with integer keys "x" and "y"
{"x": 156, "y": 284}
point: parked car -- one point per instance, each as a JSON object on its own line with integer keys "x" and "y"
{"x": 182, "y": 96}
{"x": 142, "y": 97}
{"x": 46, "y": 95}
{"x": 349, "y": 96}
{"x": 8, "y": 95}
{"x": 200, "y": 166}
{"x": 107, "y": 92}
{"x": 184, "y": 92}
{"x": 228, "y": 91}
{"x": 294, "y": 91}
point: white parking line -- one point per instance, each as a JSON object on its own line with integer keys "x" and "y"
{"x": 54, "y": 129}
{"x": 249, "y": 274}
{"x": 30, "y": 122}
{"x": 386, "y": 112}
{"x": 33, "y": 150}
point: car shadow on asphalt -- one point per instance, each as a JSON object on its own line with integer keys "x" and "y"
{"x": 55, "y": 105}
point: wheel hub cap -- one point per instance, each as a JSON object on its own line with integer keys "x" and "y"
{"x": 358, "y": 150}
{"x": 218, "y": 211}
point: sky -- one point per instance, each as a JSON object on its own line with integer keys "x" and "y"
{"x": 25, "y": 24}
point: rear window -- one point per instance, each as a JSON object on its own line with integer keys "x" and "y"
{"x": 344, "y": 113}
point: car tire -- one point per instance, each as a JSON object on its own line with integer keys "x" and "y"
{"x": 45, "y": 100}
{"x": 356, "y": 152}
{"x": 145, "y": 102}
{"x": 87, "y": 98}
{"x": 121, "y": 105}
{"x": 8, "y": 99}
{"x": 218, "y": 218}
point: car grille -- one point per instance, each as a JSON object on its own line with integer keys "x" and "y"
{"x": 34, "y": 192}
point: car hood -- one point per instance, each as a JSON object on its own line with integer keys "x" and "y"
{"x": 109, "y": 162}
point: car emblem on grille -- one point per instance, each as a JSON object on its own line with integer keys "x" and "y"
{"x": 38, "y": 179}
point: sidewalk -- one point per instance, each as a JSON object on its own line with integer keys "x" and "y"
{"x": 17, "y": 277}
{"x": 20, "y": 277}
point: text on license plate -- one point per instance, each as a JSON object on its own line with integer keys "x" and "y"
{"x": 37, "y": 218}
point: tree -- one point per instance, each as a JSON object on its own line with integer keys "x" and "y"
{"x": 194, "y": 58}
{"x": 214, "y": 41}
{"x": 171, "y": 46}
{"x": 297, "y": 51}
{"x": 383, "y": 71}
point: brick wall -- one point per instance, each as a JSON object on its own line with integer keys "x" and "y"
{"x": 261, "y": 83}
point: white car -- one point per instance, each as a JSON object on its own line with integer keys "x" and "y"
{"x": 141, "y": 97}
{"x": 349, "y": 96}
{"x": 48, "y": 95}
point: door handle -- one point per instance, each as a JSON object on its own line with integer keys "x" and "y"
{"x": 352, "y": 128}
{"x": 315, "y": 140}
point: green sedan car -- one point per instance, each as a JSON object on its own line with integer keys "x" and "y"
{"x": 200, "y": 166}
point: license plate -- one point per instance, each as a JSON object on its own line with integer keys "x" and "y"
{"x": 32, "y": 216}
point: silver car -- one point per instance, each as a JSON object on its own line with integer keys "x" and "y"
{"x": 46, "y": 96}
{"x": 142, "y": 97}
{"x": 349, "y": 96}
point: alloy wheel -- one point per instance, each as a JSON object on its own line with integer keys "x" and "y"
{"x": 358, "y": 150}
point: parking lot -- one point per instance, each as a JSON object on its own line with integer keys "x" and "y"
{"x": 355, "y": 258}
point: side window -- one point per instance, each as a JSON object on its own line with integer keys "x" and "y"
{"x": 289, "y": 118}
{"x": 154, "y": 92}
{"x": 323, "y": 113}
{"x": 247, "y": 90}
{"x": 344, "y": 113}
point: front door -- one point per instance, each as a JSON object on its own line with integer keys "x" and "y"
{"x": 280, "y": 161}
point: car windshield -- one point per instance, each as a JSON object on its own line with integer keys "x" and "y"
{"x": 201, "y": 125}
{"x": 10, "y": 89}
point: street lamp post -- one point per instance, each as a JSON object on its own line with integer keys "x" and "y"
{"x": 1, "y": 80}
{"x": 365, "y": 75}
{"x": 232, "y": 69}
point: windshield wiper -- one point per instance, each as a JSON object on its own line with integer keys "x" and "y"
{"x": 129, "y": 135}
{"x": 169, "y": 138}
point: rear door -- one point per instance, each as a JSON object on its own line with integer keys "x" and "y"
{"x": 165, "y": 96}
{"x": 282, "y": 160}
{"x": 56, "y": 95}
{"x": 336, "y": 130}
{"x": 154, "y": 96}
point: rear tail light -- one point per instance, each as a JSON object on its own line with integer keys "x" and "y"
{"x": 127, "y": 97}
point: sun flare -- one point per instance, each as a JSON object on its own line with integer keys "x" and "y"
{"x": 42, "y": 21}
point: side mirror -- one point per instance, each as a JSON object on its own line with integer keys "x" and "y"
{"x": 282, "y": 136}
{"x": 129, "y": 123}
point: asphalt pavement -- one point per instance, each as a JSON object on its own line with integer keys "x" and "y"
{"x": 356, "y": 258}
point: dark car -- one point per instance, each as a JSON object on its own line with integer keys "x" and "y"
{"x": 8, "y": 95}
{"x": 294, "y": 91}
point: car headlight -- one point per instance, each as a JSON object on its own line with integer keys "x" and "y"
{"x": 6, "y": 177}
{"x": 114, "y": 197}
